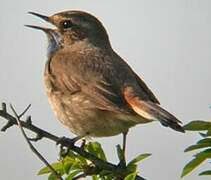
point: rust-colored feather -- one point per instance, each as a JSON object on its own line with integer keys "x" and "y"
{"x": 150, "y": 110}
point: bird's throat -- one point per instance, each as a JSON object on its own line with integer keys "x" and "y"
{"x": 55, "y": 41}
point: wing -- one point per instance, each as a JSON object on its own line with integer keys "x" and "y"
{"x": 147, "y": 91}
{"x": 101, "y": 77}
{"x": 132, "y": 79}
{"x": 92, "y": 75}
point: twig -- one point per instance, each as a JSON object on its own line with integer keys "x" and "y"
{"x": 9, "y": 123}
{"x": 34, "y": 150}
{"x": 4, "y": 107}
{"x": 79, "y": 176}
{"x": 27, "y": 108}
{"x": 101, "y": 164}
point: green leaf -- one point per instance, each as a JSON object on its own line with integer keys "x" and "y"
{"x": 70, "y": 166}
{"x": 52, "y": 177}
{"x": 120, "y": 153}
{"x": 77, "y": 162}
{"x": 57, "y": 166}
{"x": 209, "y": 132}
{"x": 73, "y": 157}
{"x": 132, "y": 167}
{"x": 205, "y": 173}
{"x": 67, "y": 166}
{"x": 73, "y": 174}
{"x": 197, "y": 126}
{"x": 204, "y": 135}
{"x": 94, "y": 177}
{"x": 81, "y": 159}
{"x": 204, "y": 141}
{"x": 139, "y": 158}
{"x": 197, "y": 146}
{"x": 199, "y": 158}
{"x": 76, "y": 166}
{"x": 71, "y": 154}
{"x": 96, "y": 149}
{"x": 131, "y": 176}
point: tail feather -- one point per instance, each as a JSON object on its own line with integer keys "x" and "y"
{"x": 165, "y": 118}
{"x": 153, "y": 111}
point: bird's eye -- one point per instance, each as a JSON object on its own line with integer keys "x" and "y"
{"x": 67, "y": 24}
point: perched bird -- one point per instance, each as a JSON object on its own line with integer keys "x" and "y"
{"x": 91, "y": 89}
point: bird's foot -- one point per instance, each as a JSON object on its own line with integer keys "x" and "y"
{"x": 64, "y": 141}
{"x": 64, "y": 151}
{"x": 65, "y": 144}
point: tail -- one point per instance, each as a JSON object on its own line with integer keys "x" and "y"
{"x": 165, "y": 118}
{"x": 153, "y": 111}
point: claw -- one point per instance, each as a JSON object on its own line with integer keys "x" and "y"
{"x": 64, "y": 151}
{"x": 66, "y": 141}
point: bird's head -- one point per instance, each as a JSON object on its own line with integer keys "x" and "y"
{"x": 73, "y": 27}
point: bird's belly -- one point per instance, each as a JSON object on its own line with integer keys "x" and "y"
{"x": 83, "y": 119}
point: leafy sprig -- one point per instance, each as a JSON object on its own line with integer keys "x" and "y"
{"x": 204, "y": 145}
{"x": 72, "y": 165}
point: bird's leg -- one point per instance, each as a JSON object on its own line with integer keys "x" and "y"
{"x": 124, "y": 142}
{"x": 122, "y": 162}
{"x": 83, "y": 144}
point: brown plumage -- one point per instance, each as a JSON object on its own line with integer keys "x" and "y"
{"x": 92, "y": 90}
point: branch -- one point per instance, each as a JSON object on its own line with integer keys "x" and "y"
{"x": 30, "y": 144}
{"x": 101, "y": 164}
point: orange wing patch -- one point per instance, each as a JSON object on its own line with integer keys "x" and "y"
{"x": 150, "y": 111}
{"x": 137, "y": 104}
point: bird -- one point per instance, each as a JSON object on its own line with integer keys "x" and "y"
{"x": 91, "y": 89}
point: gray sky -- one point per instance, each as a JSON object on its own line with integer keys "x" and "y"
{"x": 167, "y": 42}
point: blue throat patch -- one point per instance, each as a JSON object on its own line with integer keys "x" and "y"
{"x": 54, "y": 42}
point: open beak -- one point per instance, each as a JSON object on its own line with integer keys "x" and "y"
{"x": 54, "y": 36}
{"x": 46, "y": 30}
{"x": 46, "y": 18}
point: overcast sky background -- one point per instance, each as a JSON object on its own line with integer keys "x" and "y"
{"x": 167, "y": 42}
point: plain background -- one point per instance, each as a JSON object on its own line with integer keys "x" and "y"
{"x": 167, "y": 42}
